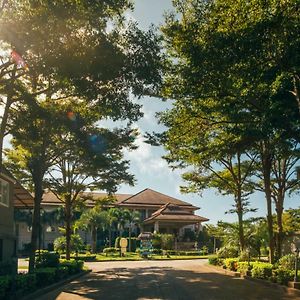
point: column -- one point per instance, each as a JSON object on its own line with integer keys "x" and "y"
{"x": 156, "y": 226}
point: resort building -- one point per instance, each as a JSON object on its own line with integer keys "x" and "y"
{"x": 159, "y": 213}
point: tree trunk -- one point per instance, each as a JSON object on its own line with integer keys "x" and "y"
{"x": 94, "y": 239}
{"x": 68, "y": 217}
{"x": 279, "y": 211}
{"x": 240, "y": 221}
{"x": 38, "y": 194}
{"x": 129, "y": 234}
{"x": 109, "y": 237}
{"x": 266, "y": 164}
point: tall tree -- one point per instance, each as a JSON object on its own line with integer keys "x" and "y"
{"x": 234, "y": 62}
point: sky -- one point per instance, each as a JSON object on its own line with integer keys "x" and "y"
{"x": 150, "y": 170}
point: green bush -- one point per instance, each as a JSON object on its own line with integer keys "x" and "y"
{"x": 261, "y": 270}
{"x": 61, "y": 272}
{"x": 5, "y": 282}
{"x": 287, "y": 262}
{"x": 45, "y": 276}
{"x": 117, "y": 242}
{"x": 230, "y": 264}
{"x": 7, "y": 268}
{"x": 25, "y": 283}
{"x": 282, "y": 276}
{"x": 244, "y": 267}
{"x": 45, "y": 259}
{"x": 111, "y": 250}
{"x": 76, "y": 244}
{"x": 74, "y": 266}
{"x": 167, "y": 241}
{"x": 157, "y": 251}
{"x": 84, "y": 257}
{"x": 214, "y": 260}
{"x": 156, "y": 241}
{"x": 228, "y": 252}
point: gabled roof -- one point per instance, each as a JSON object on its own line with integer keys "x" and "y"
{"x": 49, "y": 198}
{"x": 151, "y": 197}
{"x": 171, "y": 212}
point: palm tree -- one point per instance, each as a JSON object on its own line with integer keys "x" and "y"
{"x": 93, "y": 219}
{"x": 133, "y": 217}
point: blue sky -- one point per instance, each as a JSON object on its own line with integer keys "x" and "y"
{"x": 147, "y": 165}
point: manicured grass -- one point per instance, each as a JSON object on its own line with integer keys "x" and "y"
{"x": 135, "y": 256}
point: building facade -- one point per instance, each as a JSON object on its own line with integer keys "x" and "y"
{"x": 159, "y": 213}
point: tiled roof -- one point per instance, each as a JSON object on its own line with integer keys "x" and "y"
{"x": 148, "y": 196}
{"x": 173, "y": 212}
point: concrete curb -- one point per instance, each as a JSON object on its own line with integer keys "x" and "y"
{"x": 53, "y": 286}
{"x": 288, "y": 290}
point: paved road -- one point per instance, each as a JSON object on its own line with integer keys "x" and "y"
{"x": 170, "y": 280}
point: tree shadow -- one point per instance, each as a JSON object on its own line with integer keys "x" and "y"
{"x": 165, "y": 283}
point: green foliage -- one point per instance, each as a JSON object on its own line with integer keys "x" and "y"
{"x": 244, "y": 267}
{"x": 4, "y": 287}
{"x": 228, "y": 252}
{"x": 25, "y": 283}
{"x": 287, "y": 262}
{"x": 45, "y": 276}
{"x": 282, "y": 276}
{"x": 117, "y": 242}
{"x": 111, "y": 250}
{"x": 215, "y": 260}
{"x": 46, "y": 259}
{"x": 261, "y": 270}
{"x": 163, "y": 241}
{"x": 230, "y": 264}
{"x": 7, "y": 268}
{"x": 74, "y": 266}
{"x": 76, "y": 243}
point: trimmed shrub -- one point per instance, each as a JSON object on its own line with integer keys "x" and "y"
{"x": 61, "y": 272}
{"x": 74, "y": 266}
{"x": 111, "y": 250}
{"x": 157, "y": 251}
{"x": 261, "y": 270}
{"x": 230, "y": 264}
{"x": 287, "y": 262}
{"x": 85, "y": 257}
{"x": 5, "y": 282}
{"x": 244, "y": 267}
{"x": 228, "y": 252}
{"x": 167, "y": 241}
{"x": 45, "y": 276}
{"x": 25, "y": 283}
{"x": 214, "y": 260}
{"x": 45, "y": 259}
{"x": 7, "y": 268}
{"x": 282, "y": 276}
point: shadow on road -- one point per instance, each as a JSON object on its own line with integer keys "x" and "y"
{"x": 164, "y": 283}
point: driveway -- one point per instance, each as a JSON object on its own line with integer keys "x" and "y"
{"x": 186, "y": 280}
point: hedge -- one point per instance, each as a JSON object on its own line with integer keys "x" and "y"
{"x": 230, "y": 264}
{"x": 45, "y": 259}
{"x": 74, "y": 266}
{"x": 261, "y": 270}
{"x": 244, "y": 267}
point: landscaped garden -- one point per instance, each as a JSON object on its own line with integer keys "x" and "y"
{"x": 49, "y": 269}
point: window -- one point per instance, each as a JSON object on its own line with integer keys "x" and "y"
{"x": 4, "y": 192}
